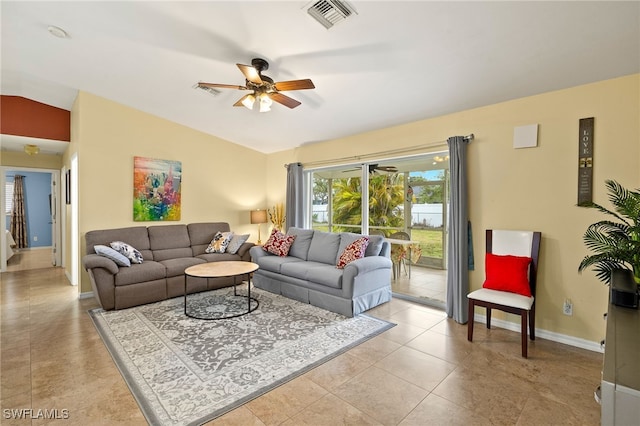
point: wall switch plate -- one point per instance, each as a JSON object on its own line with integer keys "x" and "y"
{"x": 567, "y": 307}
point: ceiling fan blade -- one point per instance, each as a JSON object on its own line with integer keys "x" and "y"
{"x": 295, "y": 85}
{"x": 387, "y": 168}
{"x": 239, "y": 103}
{"x": 284, "y": 100}
{"x": 222, "y": 86}
{"x": 250, "y": 73}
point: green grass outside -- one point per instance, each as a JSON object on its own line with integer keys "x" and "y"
{"x": 430, "y": 242}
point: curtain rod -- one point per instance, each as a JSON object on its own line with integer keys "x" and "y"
{"x": 467, "y": 138}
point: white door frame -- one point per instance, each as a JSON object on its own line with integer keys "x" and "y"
{"x": 56, "y": 235}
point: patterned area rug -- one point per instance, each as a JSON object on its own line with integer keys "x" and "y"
{"x": 185, "y": 371}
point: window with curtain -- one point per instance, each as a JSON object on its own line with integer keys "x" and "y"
{"x": 8, "y": 197}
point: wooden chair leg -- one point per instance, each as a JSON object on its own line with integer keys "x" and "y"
{"x": 523, "y": 332}
{"x": 488, "y": 317}
{"x": 470, "y": 320}
{"x": 532, "y": 323}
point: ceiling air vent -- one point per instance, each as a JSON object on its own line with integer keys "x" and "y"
{"x": 330, "y": 12}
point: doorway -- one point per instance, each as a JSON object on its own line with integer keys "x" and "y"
{"x": 42, "y": 208}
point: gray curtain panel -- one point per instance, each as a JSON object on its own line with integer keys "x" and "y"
{"x": 294, "y": 206}
{"x": 458, "y": 242}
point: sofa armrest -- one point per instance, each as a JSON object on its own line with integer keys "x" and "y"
{"x": 257, "y": 252}
{"x": 91, "y": 261}
{"x": 244, "y": 248}
{"x": 367, "y": 264}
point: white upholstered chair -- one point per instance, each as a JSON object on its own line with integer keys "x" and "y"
{"x": 509, "y": 243}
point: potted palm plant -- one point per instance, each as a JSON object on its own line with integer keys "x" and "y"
{"x": 615, "y": 243}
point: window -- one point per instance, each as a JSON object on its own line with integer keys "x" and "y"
{"x": 8, "y": 197}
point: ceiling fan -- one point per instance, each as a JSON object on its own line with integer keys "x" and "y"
{"x": 265, "y": 91}
{"x": 373, "y": 168}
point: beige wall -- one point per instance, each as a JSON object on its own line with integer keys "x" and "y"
{"x": 532, "y": 188}
{"x": 21, "y": 159}
{"x": 221, "y": 181}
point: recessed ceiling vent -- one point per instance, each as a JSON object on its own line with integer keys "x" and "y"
{"x": 330, "y": 12}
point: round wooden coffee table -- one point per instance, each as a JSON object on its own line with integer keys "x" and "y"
{"x": 233, "y": 269}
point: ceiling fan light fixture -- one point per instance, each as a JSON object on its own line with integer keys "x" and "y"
{"x": 248, "y": 101}
{"x": 265, "y": 102}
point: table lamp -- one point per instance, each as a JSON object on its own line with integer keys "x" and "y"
{"x": 257, "y": 217}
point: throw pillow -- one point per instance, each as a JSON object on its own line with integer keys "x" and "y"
{"x": 278, "y": 243}
{"x": 507, "y": 273}
{"x": 110, "y": 253}
{"x": 127, "y": 251}
{"x": 352, "y": 252}
{"x": 219, "y": 243}
{"x": 236, "y": 242}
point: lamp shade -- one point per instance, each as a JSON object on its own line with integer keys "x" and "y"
{"x": 258, "y": 216}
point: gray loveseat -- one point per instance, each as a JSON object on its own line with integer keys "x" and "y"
{"x": 167, "y": 251}
{"x": 309, "y": 274}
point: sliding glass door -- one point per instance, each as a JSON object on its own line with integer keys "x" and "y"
{"x": 407, "y": 197}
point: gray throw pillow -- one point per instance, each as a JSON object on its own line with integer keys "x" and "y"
{"x": 236, "y": 242}
{"x": 110, "y": 253}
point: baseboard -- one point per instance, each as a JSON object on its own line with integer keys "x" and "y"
{"x": 544, "y": 334}
{"x": 87, "y": 295}
{"x": 35, "y": 248}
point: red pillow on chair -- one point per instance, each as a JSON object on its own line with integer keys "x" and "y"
{"x": 507, "y": 273}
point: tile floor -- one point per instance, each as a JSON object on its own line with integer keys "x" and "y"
{"x": 35, "y": 258}
{"x": 423, "y": 371}
{"x": 426, "y": 285}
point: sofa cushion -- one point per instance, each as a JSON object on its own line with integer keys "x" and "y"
{"x": 315, "y": 272}
{"x": 352, "y": 252}
{"x": 160, "y": 255}
{"x": 169, "y": 242}
{"x": 300, "y": 246}
{"x": 274, "y": 263}
{"x": 324, "y": 247}
{"x": 140, "y": 272}
{"x": 375, "y": 245}
{"x": 136, "y": 236}
{"x": 163, "y": 237}
{"x": 176, "y": 267}
{"x": 202, "y": 233}
{"x": 218, "y": 257}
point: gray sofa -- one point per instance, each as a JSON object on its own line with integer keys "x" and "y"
{"x": 167, "y": 251}
{"x": 309, "y": 274}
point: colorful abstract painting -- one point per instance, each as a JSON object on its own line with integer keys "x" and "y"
{"x": 156, "y": 189}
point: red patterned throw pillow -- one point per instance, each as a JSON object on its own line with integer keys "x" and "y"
{"x": 507, "y": 273}
{"x": 279, "y": 243}
{"x": 352, "y": 252}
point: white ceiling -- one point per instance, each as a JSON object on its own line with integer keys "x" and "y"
{"x": 392, "y": 63}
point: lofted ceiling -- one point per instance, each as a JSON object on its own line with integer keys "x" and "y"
{"x": 391, "y": 63}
